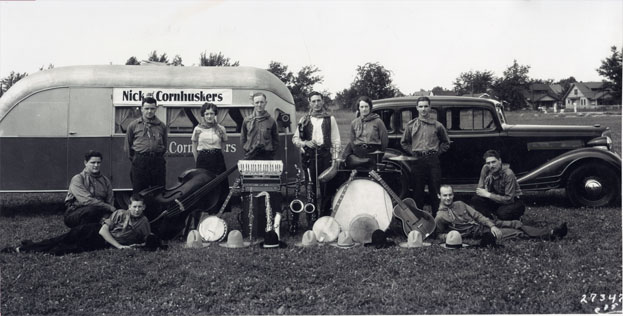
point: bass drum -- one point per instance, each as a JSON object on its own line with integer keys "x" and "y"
{"x": 363, "y": 196}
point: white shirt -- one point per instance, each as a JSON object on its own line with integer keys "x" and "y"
{"x": 317, "y": 133}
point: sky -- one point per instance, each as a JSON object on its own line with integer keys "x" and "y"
{"x": 423, "y": 43}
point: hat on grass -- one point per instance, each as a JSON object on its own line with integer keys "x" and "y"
{"x": 309, "y": 239}
{"x": 379, "y": 240}
{"x": 454, "y": 241}
{"x": 271, "y": 240}
{"x": 361, "y": 228}
{"x": 194, "y": 240}
{"x": 414, "y": 240}
{"x": 234, "y": 240}
{"x": 345, "y": 241}
{"x": 327, "y": 225}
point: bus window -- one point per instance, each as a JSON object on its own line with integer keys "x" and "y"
{"x": 183, "y": 120}
{"x": 124, "y": 115}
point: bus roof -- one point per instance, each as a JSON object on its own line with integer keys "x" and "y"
{"x": 144, "y": 76}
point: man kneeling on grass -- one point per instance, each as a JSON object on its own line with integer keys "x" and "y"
{"x": 124, "y": 229}
{"x": 456, "y": 215}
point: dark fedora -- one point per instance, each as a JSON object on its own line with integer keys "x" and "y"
{"x": 271, "y": 240}
{"x": 379, "y": 240}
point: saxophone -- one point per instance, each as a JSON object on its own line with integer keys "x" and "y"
{"x": 309, "y": 207}
{"x": 297, "y": 206}
{"x": 269, "y": 215}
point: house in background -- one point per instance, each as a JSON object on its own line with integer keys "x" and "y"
{"x": 588, "y": 95}
{"x": 540, "y": 95}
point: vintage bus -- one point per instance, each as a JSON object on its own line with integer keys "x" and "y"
{"x": 49, "y": 119}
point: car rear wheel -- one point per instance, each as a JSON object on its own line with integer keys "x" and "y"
{"x": 593, "y": 184}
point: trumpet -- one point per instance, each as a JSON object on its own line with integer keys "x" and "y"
{"x": 296, "y": 206}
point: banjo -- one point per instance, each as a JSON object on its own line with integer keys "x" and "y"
{"x": 213, "y": 228}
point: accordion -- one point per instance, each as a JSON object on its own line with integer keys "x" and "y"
{"x": 260, "y": 175}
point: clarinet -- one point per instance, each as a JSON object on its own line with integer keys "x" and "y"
{"x": 251, "y": 217}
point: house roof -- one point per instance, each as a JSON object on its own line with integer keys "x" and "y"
{"x": 557, "y": 88}
{"x": 541, "y": 92}
{"x": 591, "y": 90}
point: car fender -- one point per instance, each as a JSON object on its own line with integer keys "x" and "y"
{"x": 557, "y": 169}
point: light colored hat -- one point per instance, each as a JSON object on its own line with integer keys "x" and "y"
{"x": 234, "y": 240}
{"x": 454, "y": 241}
{"x": 193, "y": 240}
{"x": 414, "y": 240}
{"x": 327, "y": 225}
{"x": 361, "y": 228}
{"x": 345, "y": 241}
{"x": 309, "y": 239}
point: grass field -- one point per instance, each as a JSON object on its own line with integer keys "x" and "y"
{"x": 525, "y": 276}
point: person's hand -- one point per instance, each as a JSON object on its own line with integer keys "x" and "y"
{"x": 310, "y": 143}
{"x": 483, "y": 193}
{"x": 496, "y": 232}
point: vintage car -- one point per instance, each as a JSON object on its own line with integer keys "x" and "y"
{"x": 579, "y": 159}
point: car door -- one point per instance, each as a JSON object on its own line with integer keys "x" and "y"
{"x": 473, "y": 129}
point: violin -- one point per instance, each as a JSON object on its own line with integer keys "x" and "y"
{"x": 168, "y": 209}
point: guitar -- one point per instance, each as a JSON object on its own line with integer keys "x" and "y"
{"x": 407, "y": 211}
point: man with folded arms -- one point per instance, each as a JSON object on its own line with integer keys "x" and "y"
{"x": 497, "y": 194}
{"x": 456, "y": 215}
{"x": 426, "y": 139}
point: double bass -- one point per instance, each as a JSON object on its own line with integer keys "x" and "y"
{"x": 168, "y": 209}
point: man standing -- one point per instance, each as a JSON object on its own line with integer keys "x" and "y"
{"x": 259, "y": 135}
{"x": 318, "y": 137}
{"x": 260, "y": 140}
{"x": 89, "y": 197}
{"x": 498, "y": 192}
{"x": 472, "y": 224}
{"x": 426, "y": 139}
{"x": 146, "y": 142}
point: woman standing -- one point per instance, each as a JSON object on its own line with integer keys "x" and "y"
{"x": 207, "y": 144}
{"x": 367, "y": 133}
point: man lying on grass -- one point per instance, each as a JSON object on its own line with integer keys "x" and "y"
{"x": 456, "y": 215}
{"x": 124, "y": 229}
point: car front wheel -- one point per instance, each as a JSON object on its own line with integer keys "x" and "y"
{"x": 593, "y": 184}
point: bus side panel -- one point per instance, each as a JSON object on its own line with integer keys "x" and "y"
{"x": 33, "y": 163}
{"x": 120, "y": 173}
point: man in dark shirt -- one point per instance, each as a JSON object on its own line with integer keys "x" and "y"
{"x": 497, "y": 194}
{"x": 146, "y": 145}
{"x": 259, "y": 135}
{"x": 426, "y": 139}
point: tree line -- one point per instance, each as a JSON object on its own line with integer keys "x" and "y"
{"x": 374, "y": 80}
